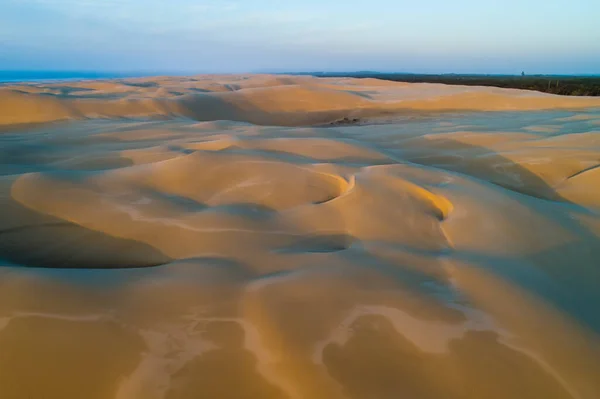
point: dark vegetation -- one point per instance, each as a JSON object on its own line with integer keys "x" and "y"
{"x": 345, "y": 121}
{"x": 556, "y": 84}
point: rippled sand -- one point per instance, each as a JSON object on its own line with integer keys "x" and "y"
{"x": 284, "y": 237}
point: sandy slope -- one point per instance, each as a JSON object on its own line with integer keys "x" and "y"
{"x": 174, "y": 239}
{"x": 263, "y": 100}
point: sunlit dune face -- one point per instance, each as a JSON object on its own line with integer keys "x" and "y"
{"x": 289, "y": 237}
{"x": 68, "y": 358}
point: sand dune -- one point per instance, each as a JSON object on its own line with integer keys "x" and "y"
{"x": 293, "y": 237}
{"x": 263, "y": 100}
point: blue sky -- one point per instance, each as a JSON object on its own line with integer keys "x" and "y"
{"x": 433, "y": 36}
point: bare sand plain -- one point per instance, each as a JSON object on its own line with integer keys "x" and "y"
{"x": 293, "y": 237}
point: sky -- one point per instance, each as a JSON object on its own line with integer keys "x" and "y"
{"x": 196, "y": 36}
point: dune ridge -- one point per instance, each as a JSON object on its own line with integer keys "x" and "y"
{"x": 288, "y": 237}
{"x": 264, "y": 100}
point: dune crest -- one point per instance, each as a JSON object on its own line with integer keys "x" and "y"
{"x": 293, "y": 237}
{"x": 263, "y": 100}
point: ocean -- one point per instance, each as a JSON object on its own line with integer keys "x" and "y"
{"x": 34, "y": 76}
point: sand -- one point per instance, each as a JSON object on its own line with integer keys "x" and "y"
{"x": 292, "y": 237}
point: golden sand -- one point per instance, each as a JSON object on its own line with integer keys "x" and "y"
{"x": 293, "y": 237}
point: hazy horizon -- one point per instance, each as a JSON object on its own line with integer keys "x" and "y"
{"x": 44, "y": 75}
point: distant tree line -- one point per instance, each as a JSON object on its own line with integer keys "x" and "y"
{"x": 555, "y": 84}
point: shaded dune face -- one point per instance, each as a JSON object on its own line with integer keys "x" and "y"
{"x": 410, "y": 254}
